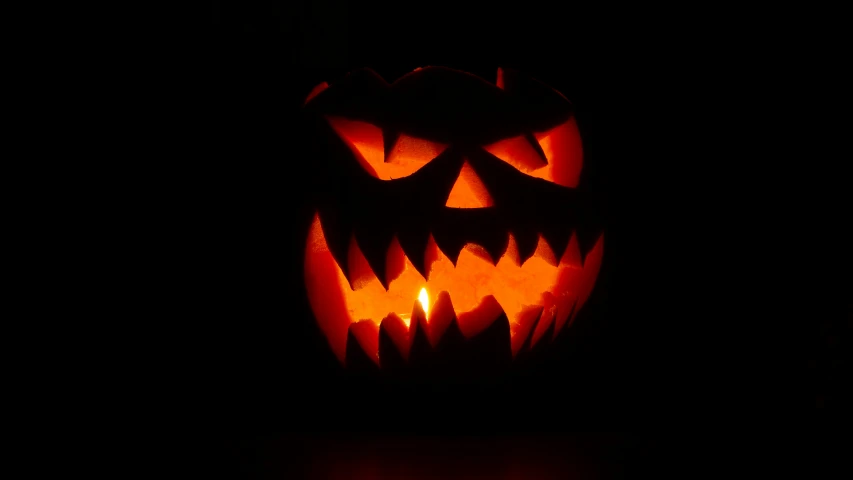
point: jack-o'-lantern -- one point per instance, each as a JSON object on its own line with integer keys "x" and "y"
{"x": 447, "y": 207}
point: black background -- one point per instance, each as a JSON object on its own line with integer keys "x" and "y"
{"x": 668, "y": 103}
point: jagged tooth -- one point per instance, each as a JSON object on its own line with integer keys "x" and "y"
{"x": 374, "y": 241}
{"x": 358, "y": 271}
{"x": 441, "y": 316}
{"x": 420, "y": 350}
{"x": 475, "y": 321}
{"x": 591, "y": 268}
{"x": 362, "y": 346}
{"x": 541, "y": 343}
{"x": 322, "y": 280}
{"x": 527, "y": 320}
{"x": 563, "y": 315}
{"x": 558, "y": 239}
{"x": 572, "y": 254}
{"x": 393, "y": 342}
{"x": 525, "y": 351}
{"x": 587, "y": 239}
{"x": 456, "y": 228}
{"x": 546, "y": 322}
{"x": 526, "y": 241}
{"x": 449, "y": 244}
{"x": 544, "y": 251}
{"x": 414, "y": 242}
{"x": 481, "y": 252}
{"x": 395, "y": 261}
{"x": 497, "y": 247}
{"x": 511, "y": 251}
{"x": 433, "y": 254}
{"x": 337, "y": 230}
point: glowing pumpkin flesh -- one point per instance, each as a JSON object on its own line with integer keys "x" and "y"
{"x": 439, "y": 212}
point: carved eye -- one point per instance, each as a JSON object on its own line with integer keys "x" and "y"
{"x": 408, "y": 155}
{"x": 561, "y": 146}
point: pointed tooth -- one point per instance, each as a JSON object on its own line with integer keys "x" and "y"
{"x": 545, "y": 338}
{"x": 450, "y": 244}
{"x": 587, "y": 237}
{"x": 511, "y": 251}
{"x": 526, "y": 240}
{"x": 456, "y": 228}
{"x": 572, "y": 254}
{"x": 488, "y": 232}
{"x": 441, "y": 315}
{"x": 362, "y": 346}
{"x": 558, "y": 239}
{"x": 544, "y": 326}
{"x": 591, "y": 268}
{"x": 337, "y": 231}
{"x": 526, "y": 322}
{"x": 324, "y": 289}
{"x": 395, "y": 261}
{"x": 433, "y": 254}
{"x": 374, "y": 241}
{"x": 564, "y": 312}
{"x": 480, "y": 252}
{"x": 393, "y": 342}
{"x": 497, "y": 247}
{"x": 475, "y": 321}
{"x": 544, "y": 251}
{"x": 420, "y": 350}
{"x": 358, "y": 272}
{"x": 414, "y": 242}
{"x": 528, "y": 340}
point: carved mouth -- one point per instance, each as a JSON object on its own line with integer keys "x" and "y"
{"x": 536, "y": 296}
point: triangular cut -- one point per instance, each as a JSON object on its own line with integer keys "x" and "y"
{"x": 469, "y": 191}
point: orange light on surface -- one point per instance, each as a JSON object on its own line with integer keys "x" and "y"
{"x": 561, "y": 146}
{"x": 468, "y": 191}
{"x": 475, "y": 290}
{"x": 408, "y": 155}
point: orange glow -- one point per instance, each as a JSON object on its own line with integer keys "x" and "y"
{"x": 315, "y": 91}
{"x": 474, "y": 290}
{"x": 423, "y": 297}
{"x": 468, "y": 191}
{"x": 408, "y": 155}
{"x": 562, "y": 148}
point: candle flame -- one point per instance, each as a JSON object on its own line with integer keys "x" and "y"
{"x": 424, "y": 299}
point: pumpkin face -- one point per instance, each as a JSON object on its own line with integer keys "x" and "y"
{"x": 449, "y": 209}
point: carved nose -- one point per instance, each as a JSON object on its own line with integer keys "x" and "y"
{"x": 468, "y": 191}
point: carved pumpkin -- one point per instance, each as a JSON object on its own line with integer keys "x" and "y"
{"x": 449, "y": 210}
